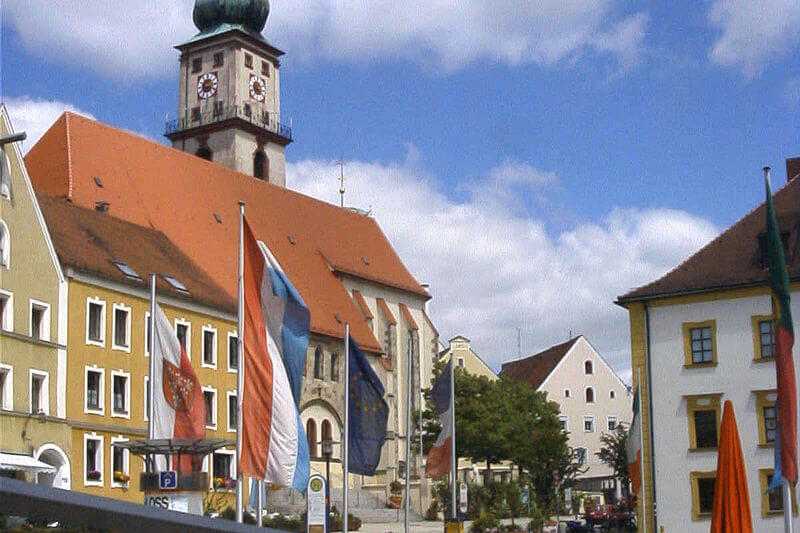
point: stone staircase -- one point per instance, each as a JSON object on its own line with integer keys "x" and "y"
{"x": 367, "y": 506}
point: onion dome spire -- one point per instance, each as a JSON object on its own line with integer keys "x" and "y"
{"x": 250, "y": 15}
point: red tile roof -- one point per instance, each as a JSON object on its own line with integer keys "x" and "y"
{"x": 408, "y": 318}
{"x": 89, "y": 242}
{"x": 362, "y": 304}
{"x": 536, "y": 368}
{"x": 733, "y": 259}
{"x": 153, "y": 185}
{"x": 387, "y": 313}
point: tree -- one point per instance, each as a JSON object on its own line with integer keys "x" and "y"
{"x": 615, "y": 455}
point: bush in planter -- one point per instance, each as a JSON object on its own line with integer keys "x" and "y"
{"x": 230, "y": 514}
{"x": 395, "y": 487}
{"x": 432, "y": 514}
{"x": 93, "y": 475}
{"x": 335, "y": 521}
{"x": 484, "y": 523}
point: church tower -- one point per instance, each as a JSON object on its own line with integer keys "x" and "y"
{"x": 229, "y": 107}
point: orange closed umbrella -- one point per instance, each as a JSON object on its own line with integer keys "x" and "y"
{"x": 731, "y": 511}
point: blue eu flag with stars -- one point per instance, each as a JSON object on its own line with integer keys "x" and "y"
{"x": 368, "y": 414}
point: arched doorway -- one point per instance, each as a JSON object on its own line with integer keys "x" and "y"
{"x": 54, "y": 456}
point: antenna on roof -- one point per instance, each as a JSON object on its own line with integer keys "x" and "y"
{"x": 519, "y": 345}
{"x": 570, "y": 333}
{"x": 341, "y": 181}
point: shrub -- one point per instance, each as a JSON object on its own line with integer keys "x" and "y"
{"x": 395, "y": 487}
{"x": 484, "y": 523}
{"x": 432, "y": 514}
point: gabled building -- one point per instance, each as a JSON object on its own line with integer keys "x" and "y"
{"x": 107, "y": 263}
{"x": 465, "y": 358}
{"x": 700, "y": 335}
{"x": 34, "y": 438}
{"x": 592, "y": 399}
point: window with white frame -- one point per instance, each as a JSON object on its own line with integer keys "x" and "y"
{"x": 566, "y": 393}
{"x": 233, "y": 351}
{"x": 210, "y": 399}
{"x": 95, "y": 322}
{"x": 147, "y": 334}
{"x": 38, "y": 392}
{"x": 6, "y": 387}
{"x": 5, "y": 175}
{"x": 223, "y": 469}
{"x": 209, "y": 347}
{"x": 233, "y": 411}
{"x": 563, "y": 422}
{"x": 94, "y": 387}
{"x": 146, "y": 400}
{"x": 5, "y": 245}
{"x": 588, "y": 424}
{"x": 120, "y": 464}
{"x": 6, "y": 311}
{"x": 122, "y": 328}
{"x": 93, "y": 460}
{"x": 183, "y": 330}
{"x": 612, "y": 423}
{"x": 580, "y": 455}
{"x": 120, "y": 393}
{"x": 39, "y": 320}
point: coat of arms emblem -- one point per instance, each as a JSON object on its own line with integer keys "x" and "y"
{"x": 178, "y": 388}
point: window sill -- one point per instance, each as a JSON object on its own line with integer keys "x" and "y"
{"x": 212, "y": 366}
{"x": 93, "y": 483}
{"x": 91, "y": 411}
{"x": 213, "y": 428}
{"x": 701, "y": 450}
{"x": 704, "y": 517}
{"x": 710, "y": 364}
{"x": 764, "y": 360}
{"x": 101, "y": 344}
{"x": 119, "y": 414}
{"x": 767, "y": 445}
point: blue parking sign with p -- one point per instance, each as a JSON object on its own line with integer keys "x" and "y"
{"x": 168, "y": 480}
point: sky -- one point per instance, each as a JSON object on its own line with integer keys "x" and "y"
{"x": 531, "y": 161}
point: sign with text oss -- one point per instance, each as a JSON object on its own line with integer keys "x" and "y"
{"x": 315, "y": 504}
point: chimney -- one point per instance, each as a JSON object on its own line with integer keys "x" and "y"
{"x": 792, "y": 168}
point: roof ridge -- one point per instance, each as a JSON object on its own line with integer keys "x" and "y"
{"x": 541, "y": 352}
{"x": 67, "y": 114}
{"x": 739, "y": 221}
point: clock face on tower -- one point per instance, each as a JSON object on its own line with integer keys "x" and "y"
{"x": 207, "y": 85}
{"x": 257, "y": 88}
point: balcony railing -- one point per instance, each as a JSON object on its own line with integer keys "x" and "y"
{"x": 266, "y": 120}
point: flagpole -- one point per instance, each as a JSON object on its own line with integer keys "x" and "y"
{"x": 453, "y": 464}
{"x": 346, "y": 435}
{"x": 260, "y": 503}
{"x": 786, "y": 487}
{"x": 408, "y": 434}
{"x": 151, "y": 340}
{"x": 240, "y": 371}
{"x": 641, "y": 443}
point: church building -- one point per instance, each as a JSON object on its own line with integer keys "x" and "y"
{"x": 228, "y": 145}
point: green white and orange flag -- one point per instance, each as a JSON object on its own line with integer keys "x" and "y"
{"x": 786, "y": 439}
{"x": 633, "y": 447}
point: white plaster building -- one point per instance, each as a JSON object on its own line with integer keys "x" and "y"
{"x": 701, "y": 335}
{"x": 592, "y": 399}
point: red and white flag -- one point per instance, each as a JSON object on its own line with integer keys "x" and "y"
{"x": 179, "y": 411}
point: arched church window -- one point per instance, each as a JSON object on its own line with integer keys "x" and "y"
{"x": 318, "y": 363}
{"x": 311, "y": 435}
{"x": 589, "y": 395}
{"x": 326, "y": 430}
{"x": 260, "y": 166}
{"x": 334, "y": 367}
{"x": 205, "y": 153}
{"x": 588, "y": 367}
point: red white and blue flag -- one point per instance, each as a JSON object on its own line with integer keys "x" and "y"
{"x": 276, "y": 333}
{"x": 438, "y": 463}
{"x": 786, "y": 434}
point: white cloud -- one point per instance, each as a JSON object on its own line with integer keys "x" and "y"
{"x": 134, "y": 40}
{"x": 114, "y": 38}
{"x": 492, "y": 269}
{"x": 35, "y": 116}
{"x": 752, "y": 34}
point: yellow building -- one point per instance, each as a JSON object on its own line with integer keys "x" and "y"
{"x": 108, "y": 263}
{"x": 34, "y": 440}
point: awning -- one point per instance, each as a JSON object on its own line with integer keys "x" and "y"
{"x": 24, "y": 463}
